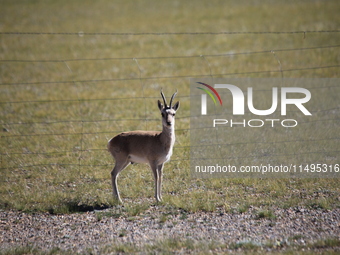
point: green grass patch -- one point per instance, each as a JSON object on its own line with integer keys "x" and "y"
{"x": 28, "y": 250}
{"x": 180, "y": 245}
{"x": 326, "y": 243}
{"x": 265, "y": 214}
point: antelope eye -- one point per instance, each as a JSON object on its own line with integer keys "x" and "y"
{"x": 162, "y": 114}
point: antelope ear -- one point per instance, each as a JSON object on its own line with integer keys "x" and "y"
{"x": 176, "y": 106}
{"x": 160, "y": 106}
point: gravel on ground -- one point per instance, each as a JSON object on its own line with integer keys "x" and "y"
{"x": 95, "y": 229}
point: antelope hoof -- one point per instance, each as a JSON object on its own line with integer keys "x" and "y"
{"x": 117, "y": 199}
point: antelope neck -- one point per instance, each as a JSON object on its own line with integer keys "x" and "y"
{"x": 168, "y": 135}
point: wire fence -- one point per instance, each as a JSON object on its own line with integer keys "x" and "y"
{"x": 23, "y": 129}
{"x": 81, "y": 33}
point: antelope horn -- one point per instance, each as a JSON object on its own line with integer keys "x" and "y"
{"x": 173, "y": 96}
{"x": 164, "y": 100}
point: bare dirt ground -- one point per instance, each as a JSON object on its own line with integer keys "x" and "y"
{"x": 77, "y": 232}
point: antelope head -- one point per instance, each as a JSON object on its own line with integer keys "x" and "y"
{"x": 168, "y": 111}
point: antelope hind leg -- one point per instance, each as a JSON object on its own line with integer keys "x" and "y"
{"x": 119, "y": 166}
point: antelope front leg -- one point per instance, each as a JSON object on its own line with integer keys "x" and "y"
{"x": 159, "y": 172}
{"x": 154, "y": 168}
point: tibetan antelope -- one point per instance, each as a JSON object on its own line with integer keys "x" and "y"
{"x": 152, "y": 147}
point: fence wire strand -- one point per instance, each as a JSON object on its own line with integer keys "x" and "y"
{"x": 168, "y": 57}
{"x": 81, "y": 33}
